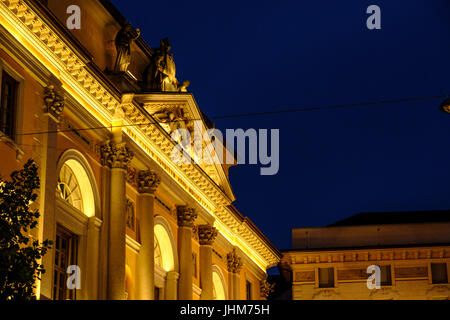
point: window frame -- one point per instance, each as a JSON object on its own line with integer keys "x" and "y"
{"x": 9, "y": 105}
{"x": 333, "y": 278}
{"x": 445, "y": 271}
{"x": 248, "y": 290}
{"x": 386, "y": 284}
{"x": 71, "y": 258}
{"x": 16, "y": 141}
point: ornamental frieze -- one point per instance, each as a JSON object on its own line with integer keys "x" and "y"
{"x": 116, "y": 155}
{"x": 186, "y": 216}
{"x": 148, "y": 181}
{"x": 206, "y": 234}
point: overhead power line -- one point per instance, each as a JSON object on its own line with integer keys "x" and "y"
{"x": 330, "y": 107}
{"x": 254, "y": 114}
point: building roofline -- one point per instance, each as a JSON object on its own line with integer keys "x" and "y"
{"x": 406, "y": 246}
{"x": 60, "y": 29}
{"x": 252, "y": 225}
{"x": 388, "y": 218}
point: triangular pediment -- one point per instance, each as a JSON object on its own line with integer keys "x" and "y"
{"x": 180, "y": 111}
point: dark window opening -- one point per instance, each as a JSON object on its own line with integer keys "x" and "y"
{"x": 248, "y": 289}
{"x": 386, "y": 278}
{"x": 439, "y": 273}
{"x": 326, "y": 278}
{"x": 8, "y": 105}
{"x": 65, "y": 255}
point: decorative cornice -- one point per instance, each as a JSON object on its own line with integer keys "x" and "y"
{"x": 186, "y": 216}
{"x": 54, "y": 102}
{"x": 116, "y": 155}
{"x": 148, "y": 181}
{"x": 206, "y": 234}
{"x": 67, "y": 61}
{"x": 234, "y": 262}
{"x": 365, "y": 255}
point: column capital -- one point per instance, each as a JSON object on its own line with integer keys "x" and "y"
{"x": 54, "y": 102}
{"x": 116, "y": 155}
{"x": 148, "y": 181}
{"x": 186, "y": 216}
{"x": 266, "y": 288}
{"x": 206, "y": 234}
{"x": 234, "y": 262}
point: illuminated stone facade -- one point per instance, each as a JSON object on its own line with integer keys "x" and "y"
{"x": 138, "y": 225}
{"x": 330, "y": 263}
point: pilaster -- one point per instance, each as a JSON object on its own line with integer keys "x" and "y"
{"x": 53, "y": 109}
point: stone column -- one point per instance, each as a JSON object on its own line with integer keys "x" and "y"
{"x": 234, "y": 264}
{"x": 186, "y": 217}
{"x": 206, "y": 235}
{"x": 116, "y": 155}
{"x": 92, "y": 259}
{"x": 104, "y": 232}
{"x": 53, "y": 109}
{"x": 171, "y": 285}
{"x": 148, "y": 182}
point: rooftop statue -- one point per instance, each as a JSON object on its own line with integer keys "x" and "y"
{"x": 123, "y": 41}
{"x": 161, "y": 72}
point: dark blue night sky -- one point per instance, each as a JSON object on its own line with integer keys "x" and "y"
{"x": 251, "y": 56}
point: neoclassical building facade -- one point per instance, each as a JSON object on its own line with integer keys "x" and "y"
{"x": 411, "y": 250}
{"x": 95, "y": 108}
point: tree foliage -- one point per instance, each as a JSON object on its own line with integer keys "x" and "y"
{"x": 19, "y": 256}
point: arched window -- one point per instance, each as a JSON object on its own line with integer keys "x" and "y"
{"x": 165, "y": 248}
{"x": 75, "y": 187}
{"x": 218, "y": 284}
{"x": 78, "y": 226}
{"x": 69, "y": 188}
{"x": 166, "y": 258}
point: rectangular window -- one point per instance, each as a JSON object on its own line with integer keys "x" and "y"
{"x": 326, "y": 278}
{"x": 65, "y": 255}
{"x": 386, "y": 278}
{"x": 248, "y": 290}
{"x": 439, "y": 273}
{"x": 157, "y": 293}
{"x": 8, "y": 105}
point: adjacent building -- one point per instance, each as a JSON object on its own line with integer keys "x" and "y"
{"x": 95, "y": 108}
{"x": 411, "y": 249}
